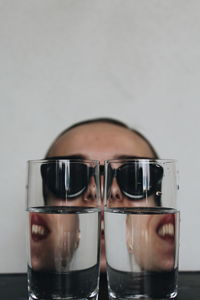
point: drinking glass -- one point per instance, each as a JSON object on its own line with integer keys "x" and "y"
{"x": 141, "y": 228}
{"x": 63, "y": 212}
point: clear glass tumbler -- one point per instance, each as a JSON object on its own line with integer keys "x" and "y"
{"x": 141, "y": 228}
{"x": 64, "y": 212}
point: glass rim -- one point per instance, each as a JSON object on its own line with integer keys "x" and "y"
{"x": 140, "y": 159}
{"x": 71, "y": 160}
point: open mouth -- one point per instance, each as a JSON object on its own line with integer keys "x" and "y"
{"x": 39, "y": 228}
{"x": 166, "y": 227}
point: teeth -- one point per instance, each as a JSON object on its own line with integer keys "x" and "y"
{"x": 38, "y": 229}
{"x": 166, "y": 229}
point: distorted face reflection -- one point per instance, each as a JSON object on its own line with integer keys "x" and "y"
{"x": 52, "y": 234}
{"x": 151, "y": 240}
{"x": 102, "y": 141}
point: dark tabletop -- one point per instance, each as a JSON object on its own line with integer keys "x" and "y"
{"x": 14, "y": 286}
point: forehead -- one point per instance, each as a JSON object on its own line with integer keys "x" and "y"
{"x": 100, "y": 141}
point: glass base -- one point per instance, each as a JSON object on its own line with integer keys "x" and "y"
{"x": 112, "y": 296}
{"x": 94, "y": 296}
{"x": 142, "y": 285}
{"x": 76, "y": 285}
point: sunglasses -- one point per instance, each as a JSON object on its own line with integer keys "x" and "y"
{"x": 70, "y": 180}
{"x": 66, "y": 180}
{"x": 136, "y": 181}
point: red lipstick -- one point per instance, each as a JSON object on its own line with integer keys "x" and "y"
{"x": 166, "y": 227}
{"x": 39, "y": 228}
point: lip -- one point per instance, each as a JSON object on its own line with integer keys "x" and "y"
{"x": 166, "y": 228}
{"x": 39, "y": 228}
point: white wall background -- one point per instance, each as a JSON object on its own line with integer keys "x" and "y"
{"x": 68, "y": 60}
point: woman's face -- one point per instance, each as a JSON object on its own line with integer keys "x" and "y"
{"x": 151, "y": 240}
{"x": 54, "y": 238}
{"x": 102, "y": 141}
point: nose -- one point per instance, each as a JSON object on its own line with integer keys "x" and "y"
{"x": 91, "y": 194}
{"x": 115, "y": 192}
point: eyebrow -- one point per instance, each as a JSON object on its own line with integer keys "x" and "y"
{"x": 132, "y": 157}
{"x": 75, "y": 156}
